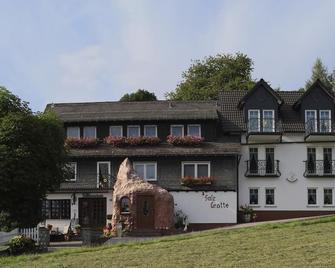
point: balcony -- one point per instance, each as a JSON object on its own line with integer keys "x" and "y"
{"x": 262, "y": 168}
{"x": 265, "y": 130}
{"x": 319, "y": 130}
{"x": 319, "y": 168}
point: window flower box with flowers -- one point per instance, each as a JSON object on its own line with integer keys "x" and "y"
{"x": 79, "y": 143}
{"x": 192, "y": 181}
{"x": 115, "y": 141}
{"x": 142, "y": 140}
{"x": 184, "y": 140}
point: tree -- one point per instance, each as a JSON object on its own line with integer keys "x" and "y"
{"x": 32, "y": 160}
{"x": 205, "y": 78}
{"x": 319, "y": 71}
{"x": 139, "y": 95}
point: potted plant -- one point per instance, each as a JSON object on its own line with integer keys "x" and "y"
{"x": 247, "y": 212}
{"x": 77, "y": 229}
{"x": 49, "y": 227}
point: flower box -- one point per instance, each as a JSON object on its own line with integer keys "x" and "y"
{"x": 115, "y": 141}
{"x": 80, "y": 143}
{"x": 191, "y": 181}
{"x": 142, "y": 140}
{"x": 184, "y": 140}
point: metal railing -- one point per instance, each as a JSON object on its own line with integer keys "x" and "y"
{"x": 262, "y": 168}
{"x": 315, "y": 126}
{"x": 319, "y": 168}
{"x": 263, "y": 125}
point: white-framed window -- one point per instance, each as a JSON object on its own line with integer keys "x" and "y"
{"x": 116, "y": 131}
{"x": 177, "y": 130}
{"x": 269, "y": 196}
{"x": 325, "y": 121}
{"x": 73, "y": 168}
{"x": 253, "y": 196}
{"x": 253, "y": 120}
{"x": 194, "y": 130}
{"x": 133, "y": 131}
{"x": 196, "y": 169}
{"x": 268, "y": 120}
{"x": 328, "y": 196}
{"x": 90, "y": 132}
{"x": 311, "y": 196}
{"x": 310, "y": 121}
{"x": 73, "y": 132}
{"x": 146, "y": 170}
{"x": 150, "y": 130}
{"x": 103, "y": 173}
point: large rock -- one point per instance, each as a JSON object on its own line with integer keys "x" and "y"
{"x": 129, "y": 184}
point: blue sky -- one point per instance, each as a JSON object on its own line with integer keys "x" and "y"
{"x": 68, "y": 50}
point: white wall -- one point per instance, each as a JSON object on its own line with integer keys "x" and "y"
{"x": 207, "y": 207}
{"x": 60, "y": 224}
{"x": 288, "y": 195}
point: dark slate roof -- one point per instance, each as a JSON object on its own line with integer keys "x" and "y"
{"x": 147, "y": 110}
{"x": 207, "y": 148}
{"x": 232, "y": 118}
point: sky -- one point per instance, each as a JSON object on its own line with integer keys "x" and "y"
{"x": 75, "y": 51}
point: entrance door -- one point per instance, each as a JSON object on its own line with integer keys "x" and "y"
{"x": 145, "y": 212}
{"x": 92, "y": 212}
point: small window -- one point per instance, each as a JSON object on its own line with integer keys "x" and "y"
{"x": 146, "y": 170}
{"x": 196, "y": 169}
{"x": 325, "y": 121}
{"x": 115, "y": 131}
{"x": 150, "y": 131}
{"x": 72, "y": 166}
{"x": 253, "y": 196}
{"x": 125, "y": 205}
{"x": 103, "y": 174}
{"x": 133, "y": 131}
{"x": 253, "y": 121}
{"x": 73, "y": 132}
{"x": 194, "y": 130}
{"x": 311, "y": 196}
{"x": 268, "y": 121}
{"x": 56, "y": 209}
{"x": 269, "y": 196}
{"x": 90, "y": 132}
{"x": 177, "y": 130}
{"x": 310, "y": 121}
{"x": 328, "y": 196}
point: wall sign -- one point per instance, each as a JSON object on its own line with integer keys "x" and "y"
{"x": 213, "y": 201}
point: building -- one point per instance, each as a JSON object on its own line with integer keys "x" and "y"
{"x": 272, "y": 150}
{"x": 88, "y": 195}
{"x": 287, "y": 149}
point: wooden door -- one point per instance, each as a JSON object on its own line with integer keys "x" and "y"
{"x": 145, "y": 212}
{"x": 92, "y": 212}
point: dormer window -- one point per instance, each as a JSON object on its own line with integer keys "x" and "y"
{"x": 177, "y": 130}
{"x": 194, "y": 130}
{"x": 73, "y": 132}
{"x": 310, "y": 120}
{"x": 90, "y": 132}
{"x": 268, "y": 121}
{"x": 253, "y": 121}
{"x": 133, "y": 131}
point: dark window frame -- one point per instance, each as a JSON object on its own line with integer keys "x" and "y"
{"x": 56, "y": 209}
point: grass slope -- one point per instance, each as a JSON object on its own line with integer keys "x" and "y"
{"x": 309, "y": 243}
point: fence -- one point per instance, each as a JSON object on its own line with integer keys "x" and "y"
{"x": 32, "y": 233}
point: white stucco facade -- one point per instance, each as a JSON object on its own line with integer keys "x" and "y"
{"x": 207, "y": 207}
{"x": 291, "y": 186}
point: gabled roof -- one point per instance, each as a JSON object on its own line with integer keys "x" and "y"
{"x": 146, "y": 110}
{"x": 317, "y": 84}
{"x": 259, "y": 84}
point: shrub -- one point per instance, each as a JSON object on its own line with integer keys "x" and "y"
{"x": 115, "y": 141}
{"x": 246, "y": 210}
{"x": 6, "y": 223}
{"x": 80, "y": 143}
{"x": 21, "y": 244}
{"x": 185, "y": 140}
{"x": 189, "y": 181}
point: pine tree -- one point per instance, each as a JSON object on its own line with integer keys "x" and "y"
{"x": 319, "y": 71}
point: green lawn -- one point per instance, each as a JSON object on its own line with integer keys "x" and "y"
{"x": 309, "y": 243}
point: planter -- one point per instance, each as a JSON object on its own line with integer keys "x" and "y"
{"x": 246, "y": 217}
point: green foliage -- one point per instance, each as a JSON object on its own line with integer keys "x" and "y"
{"x": 21, "y": 244}
{"x": 6, "y": 224}
{"x": 319, "y": 71}
{"x": 32, "y": 157}
{"x": 205, "y": 78}
{"x": 139, "y": 95}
